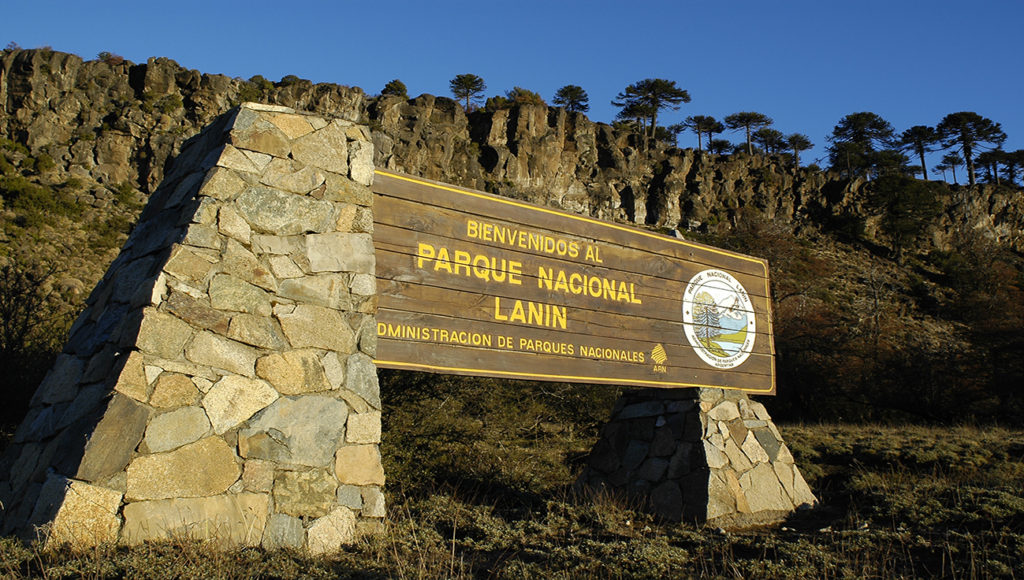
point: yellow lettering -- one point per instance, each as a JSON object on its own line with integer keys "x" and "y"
{"x": 515, "y": 271}
{"x": 561, "y": 283}
{"x": 443, "y": 262}
{"x": 462, "y": 262}
{"x": 481, "y": 267}
{"x": 497, "y": 310}
{"x": 472, "y": 229}
{"x": 558, "y": 317}
{"x": 544, "y": 276}
{"x": 622, "y": 295}
{"x": 576, "y": 283}
{"x": 425, "y": 252}
{"x": 518, "y": 313}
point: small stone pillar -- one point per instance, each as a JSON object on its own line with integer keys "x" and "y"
{"x": 706, "y": 455}
{"x": 220, "y": 383}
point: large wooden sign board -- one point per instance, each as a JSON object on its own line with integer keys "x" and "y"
{"x": 475, "y": 284}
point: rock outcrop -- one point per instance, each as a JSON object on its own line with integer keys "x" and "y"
{"x": 118, "y": 122}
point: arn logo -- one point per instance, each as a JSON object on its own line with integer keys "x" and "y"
{"x": 718, "y": 319}
{"x": 660, "y": 358}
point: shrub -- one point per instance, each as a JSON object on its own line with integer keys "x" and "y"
{"x": 395, "y": 88}
{"x": 521, "y": 96}
{"x": 110, "y": 58}
{"x": 35, "y": 204}
{"x": 44, "y": 163}
{"x": 35, "y": 321}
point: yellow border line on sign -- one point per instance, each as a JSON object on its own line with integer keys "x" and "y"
{"x": 577, "y": 217}
{"x": 626, "y": 229}
{"x": 615, "y": 380}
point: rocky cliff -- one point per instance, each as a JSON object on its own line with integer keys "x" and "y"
{"x": 84, "y": 143}
{"x": 121, "y": 123}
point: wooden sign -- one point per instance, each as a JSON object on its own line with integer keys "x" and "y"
{"x": 476, "y": 284}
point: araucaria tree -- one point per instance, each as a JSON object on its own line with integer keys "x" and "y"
{"x": 770, "y": 140}
{"x": 701, "y": 125}
{"x": 706, "y": 319}
{"x": 919, "y": 139}
{"x": 468, "y": 88}
{"x": 798, "y": 142}
{"x": 950, "y": 160}
{"x": 748, "y": 121}
{"x": 643, "y": 100}
{"x": 908, "y": 207}
{"x": 968, "y": 131}
{"x": 573, "y": 98}
{"x": 858, "y": 142}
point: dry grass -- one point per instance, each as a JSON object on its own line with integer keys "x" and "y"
{"x": 898, "y": 502}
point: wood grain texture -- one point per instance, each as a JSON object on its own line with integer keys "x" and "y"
{"x": 475, "y": 284}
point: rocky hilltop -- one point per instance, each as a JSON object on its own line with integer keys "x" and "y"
{"x": 859, "y": 316}
{"x": 115, "y": 122}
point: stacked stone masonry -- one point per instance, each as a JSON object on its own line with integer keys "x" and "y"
{"x": 220, "y": 383}
{"x": 708, "y": 455}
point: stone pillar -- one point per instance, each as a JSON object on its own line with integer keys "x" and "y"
{"x": 706, "y": 455}
{"x": 220, "y": 383}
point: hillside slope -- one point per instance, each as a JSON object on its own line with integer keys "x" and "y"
{"x": 871, "y": 320}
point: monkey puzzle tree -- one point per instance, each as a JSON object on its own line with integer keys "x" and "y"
{"x": 908, "y": 207}
{"x": 643, "y": 100}
{"x": 990, "y": 161}
{"x": 573, "y": 98}
{"x": 950, "y": 161}
{"x": 967, "y": 131}
{"x": 706, "y": 318}
{"x": 1013, "y": 163}
{"x": 701, "y": 125}
{"x": 798, "y": 142}
{"x": 919, "y": 139}
{"x": 857, "y": 140}
{"x": 468, "y": 88}
{"x": 749, "y": 121}
{"x": 770, "y": 140}
{"x": 719, "y": 146}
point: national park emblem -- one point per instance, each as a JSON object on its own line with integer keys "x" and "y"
{"x": 718, "y": 319}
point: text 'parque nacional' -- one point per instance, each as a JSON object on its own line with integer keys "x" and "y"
{"x": 476, "y": 284}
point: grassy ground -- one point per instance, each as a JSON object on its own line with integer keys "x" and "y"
{"x": 474, "y": 493}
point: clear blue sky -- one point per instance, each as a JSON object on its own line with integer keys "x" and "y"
{"x": 804, "y": 63}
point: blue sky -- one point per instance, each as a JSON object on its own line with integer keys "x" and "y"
{"x": 804, "y": 63}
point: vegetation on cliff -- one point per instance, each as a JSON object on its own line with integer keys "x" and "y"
{"x": 894, "y": 298}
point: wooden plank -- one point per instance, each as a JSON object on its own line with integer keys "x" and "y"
{"x": 496, "y": 207}
{"x": 568, "y": 298}
{"x": 531, "y": 366}
{"x": 486, "y": 338}
{"x": 405, "y": 245}
{"x": 664, "y": 328}
{"x": 406, "y": 215}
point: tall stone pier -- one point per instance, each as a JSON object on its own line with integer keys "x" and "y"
{"x": 220, "y": 383}
{"x": 707, "y": 455}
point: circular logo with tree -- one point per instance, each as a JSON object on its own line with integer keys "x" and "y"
{"x": 718, "y": 319}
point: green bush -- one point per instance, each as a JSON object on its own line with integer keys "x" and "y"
{"x": 36, "y": 205}
{"x": 395, "y": 88}
{"x": 125, "y": 194}
{"x": 44, "y": 163}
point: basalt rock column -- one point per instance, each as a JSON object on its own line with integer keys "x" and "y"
{"x": 219, "y": 384}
